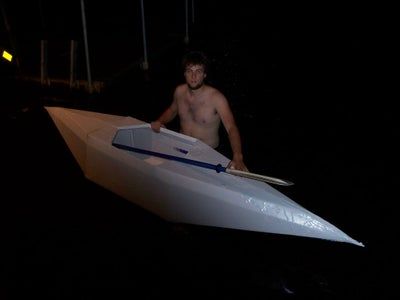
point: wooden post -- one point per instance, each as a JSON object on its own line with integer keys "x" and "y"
{"x": 89, "y": 75}
{"x": 145, "y": 64}
{"x": 73, "y": 61}
{"x": 186, "y": 40}
{"x": 44, "y": 78}
{"x": 192, "y": 11}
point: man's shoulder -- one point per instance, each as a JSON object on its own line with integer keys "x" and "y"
{"x": 180, "y": 90}
{"x": 181, "y": 87}
{"x": 216, "y": 94}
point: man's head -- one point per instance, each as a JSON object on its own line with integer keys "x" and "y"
{"x": 195, "y": 69}
{"x": 195, "y": 58}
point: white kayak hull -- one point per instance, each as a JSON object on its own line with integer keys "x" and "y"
{"x": 179, "y": 192}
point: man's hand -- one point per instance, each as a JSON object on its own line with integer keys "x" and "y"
{"x": 156, "y": 125}
{"x": 237, "y": 164}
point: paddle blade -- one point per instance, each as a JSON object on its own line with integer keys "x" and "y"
{"x": 259, "y": 177}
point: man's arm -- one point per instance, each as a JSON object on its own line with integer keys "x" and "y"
{"x": 229, "y": 123}
{"x": 167, "y": 116}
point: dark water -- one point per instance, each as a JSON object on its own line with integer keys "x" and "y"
{"x": 321, "y": 116}
{"x": 65, "y": 237}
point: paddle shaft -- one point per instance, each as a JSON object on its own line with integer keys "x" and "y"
{"x": 218, "y": 168}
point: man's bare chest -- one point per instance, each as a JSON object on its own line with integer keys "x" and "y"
{"x": 199, "y": 112}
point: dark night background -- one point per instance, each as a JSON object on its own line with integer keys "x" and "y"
{"x": 311, "y": 89}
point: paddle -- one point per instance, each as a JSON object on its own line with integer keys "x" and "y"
{"x": 219, "y": 168}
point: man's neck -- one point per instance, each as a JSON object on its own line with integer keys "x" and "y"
{"x": 197, "y": 90}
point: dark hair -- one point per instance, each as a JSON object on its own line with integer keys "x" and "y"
{"x": 195, "y": 58}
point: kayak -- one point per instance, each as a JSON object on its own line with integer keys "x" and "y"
{"x": 124, "y": 155}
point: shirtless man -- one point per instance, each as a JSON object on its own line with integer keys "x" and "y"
{"x": 201, "y": 108}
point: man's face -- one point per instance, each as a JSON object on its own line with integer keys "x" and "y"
{"x": 194, "y": 75}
